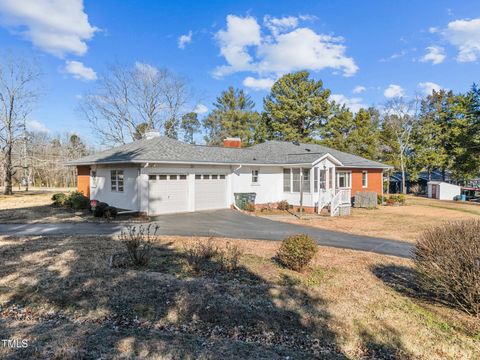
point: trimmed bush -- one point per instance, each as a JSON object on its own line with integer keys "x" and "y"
{"x": 110, "y": 212}
{"x": 297, "y": 251}
{"x": 100, "y": 209}
{"x": 381, "y": 199}
{"x": 78, "y": 201}
{"x": 283, "y": 205}
{"x": 398, "y": 199}
{"x": 59, "y": 199}
{"x": 447, "y": 259}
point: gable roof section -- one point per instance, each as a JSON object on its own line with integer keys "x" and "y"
{"x": 165, "y": 150}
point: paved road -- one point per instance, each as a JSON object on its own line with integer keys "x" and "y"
{"x": 225, "y": 223}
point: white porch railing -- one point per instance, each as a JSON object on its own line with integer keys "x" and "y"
{"x": 324, "y": 198}
{"x": 342, "y": 197}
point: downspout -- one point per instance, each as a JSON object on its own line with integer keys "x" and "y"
{"x": 234, "y": 204}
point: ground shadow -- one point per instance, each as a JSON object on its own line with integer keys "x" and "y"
{"x": 64, "y": 297}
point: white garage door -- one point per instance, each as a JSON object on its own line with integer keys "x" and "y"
{"x": 167, "y": 194}
{"x": 210, "y": 192}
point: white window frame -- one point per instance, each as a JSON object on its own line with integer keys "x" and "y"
{"x": 301, "y": 177}
{"x": 348, "y": 179}
{"x": 115, "y": 184}
{"x": 255, "y": 176}
{"x": 365, "y": 172}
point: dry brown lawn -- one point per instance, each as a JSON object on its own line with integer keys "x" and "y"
{"x": 61, "y": 295}
{"x": 394, "y": 222}
{"x": 33, "y": 207}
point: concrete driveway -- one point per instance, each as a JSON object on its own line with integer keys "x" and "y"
{"x": 224, "y": 223}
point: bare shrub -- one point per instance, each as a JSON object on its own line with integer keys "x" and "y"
{"x": 297, "y": 251}
{"x": 283, "y": 205}
{"x": 229, "y": 257}
{"x": 138, "y": 242}
{"x": 249, "y": 207}
{"x": 201, "y": 254}
{"x": 447, "y": 259}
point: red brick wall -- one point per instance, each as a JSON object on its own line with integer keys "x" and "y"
{"x": 83, "y": 180}
{"x": 374, "y": 180}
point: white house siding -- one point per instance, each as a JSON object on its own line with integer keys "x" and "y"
{"x": 127, "y": 199}
{"x": 269, "y": 187}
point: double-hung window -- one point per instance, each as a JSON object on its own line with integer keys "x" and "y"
{"x": 344, "y": 179}
{"x": 254, "y": 176}
{"x": 116, "y": 180}
{"x": 287, "y": 180}
{"x": 364, "y": 179}
{"x": 292, "y": 179}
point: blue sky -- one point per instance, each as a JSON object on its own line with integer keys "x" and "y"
{"x": 364, "y": 51}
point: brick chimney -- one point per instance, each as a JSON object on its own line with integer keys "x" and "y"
{"x": 232, "y": 142}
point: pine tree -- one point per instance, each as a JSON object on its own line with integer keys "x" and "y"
{"x": 296, "y": 108}
{"x": 337, "y": 130}
{"x": 233, "y": 116}
{"x": 190, "y": 125}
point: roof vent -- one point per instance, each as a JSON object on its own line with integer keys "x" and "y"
{"x": 307, "y": 149}
{"x": 150, "y": 134}
{"x": 296, "y": 143}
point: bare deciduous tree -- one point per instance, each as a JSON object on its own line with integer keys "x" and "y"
{"x": 19, "y": 78}
{"x": 128, "y": 99}
{"x": 399, "y": 119}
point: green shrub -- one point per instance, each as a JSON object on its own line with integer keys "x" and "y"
{"x": 447, "y": 260}
{"x": 283, "y": 205}
{"x": 59, "y": 199}
{"x": 110, "y": 212}
{"x": 297, "y": 251}
{"x": 249, "y": 207}
{"x": 100, "y": 209}
{"x": 381, "y": 199}
{"x": 398, "y": 199}
{"x": 78, "y": 201}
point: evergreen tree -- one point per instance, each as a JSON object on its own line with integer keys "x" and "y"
{"x": 296, "y": 108}
{"x": 336, "y": 131}
{"x": 466, "y": 135}
{"x": 233, "y": 116}
{"x": 140, "y": 130}
{"x": 190, "y": 125}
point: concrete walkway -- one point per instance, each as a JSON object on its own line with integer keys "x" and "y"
{"x": 224, "y": 223}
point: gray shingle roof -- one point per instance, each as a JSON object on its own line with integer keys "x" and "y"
{"x": 163, "y": 149}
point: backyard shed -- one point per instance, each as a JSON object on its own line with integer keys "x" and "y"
{"x": 442, "y": 190}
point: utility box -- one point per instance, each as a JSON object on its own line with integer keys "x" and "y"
{"x": 242, "y": 199}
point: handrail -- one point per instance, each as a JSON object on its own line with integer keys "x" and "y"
{"x": 324, "y": 197}
{"x": 335, "y": 203}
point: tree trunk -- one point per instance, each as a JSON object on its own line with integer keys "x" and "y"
{"x": 8, "y": 171}
{"x": 402, "y": 168}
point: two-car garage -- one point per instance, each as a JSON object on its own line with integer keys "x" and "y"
{"x": 170, "y": 193}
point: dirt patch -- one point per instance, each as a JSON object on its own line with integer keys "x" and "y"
{"x": 61, "y": 295}
{"x": 394, "y": 222}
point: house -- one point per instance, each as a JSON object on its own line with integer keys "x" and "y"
{"x": 418, "y": 185}
{"x": 159, "y": 175}
{"x": 443, "y": 190}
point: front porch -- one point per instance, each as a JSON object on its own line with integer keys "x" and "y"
{"x": 322, "y": 186}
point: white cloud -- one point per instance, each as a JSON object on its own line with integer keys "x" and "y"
{"x": 58, "y": 27}
{"x": 435, "y": 54}
{"x": 234, "y": 41}
{"x": 393, "y": 91}
{"x": 279, "y": 25}
{"x": 200, "y": 109}
{"x": 146, "y": 69}
{"x": 184, "y": 40}
{"x": 287, "y": 49}
{"x": 258, "y": 84}
{"x": 354, "y": 104}
{"x": 37, "y": 126}
{"x": 428, "y": 87}
{"x": 80, "y": 71}
{"x": 359, "y": 89}
{"x": 465, "y": 35}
